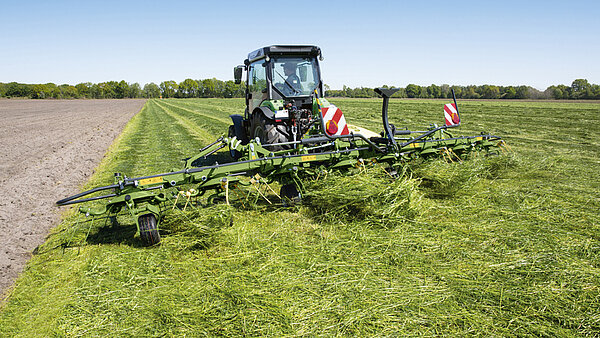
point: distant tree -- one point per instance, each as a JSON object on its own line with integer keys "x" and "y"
{"x": 219, "y": 88}
{"x": 490, "y": 92}
{"x": 470, "y": 92}
{"x": 412, "y": 90}
{"x": 95, "y": 92}
{"x": 434, "y": 91}
{"x": 231, "y": 89}
{"x": 522, "y": 92}
{"x": 371, "y": 92}
{"x": 40, "y": 91}
{"x": 151, "y": 90}
{"x": 121, "y": 89}
{"x": 102, "y": 90}
{"x": 209, "y": 87}
{"x": 509, "y": 93}
{"x": 84, "y": 89}
{"x": 109, "y": 89}
{"x": 579, "y": 88}
{"x": 134, "y": 91}
{"x": 595, "y": 92}
{"x": 14, "y": 89}
{"x": 188, "y": 88}
{"x": 68, "y": 91}
{"x": 57, "y": 93}
{"x": 566, "y": 91}
{"x": 346, "y": 91}
{"x": 445, "y": 91}
{"x": 203, "y": 90}
{"x": 168, "y": 88}
{"x": 2, "y": 89}
{"x": 52, "y": 91}
{"x": 536, "y": 94}
{"x": 334, "y": 93}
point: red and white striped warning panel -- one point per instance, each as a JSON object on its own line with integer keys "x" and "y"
{"x": 451, "y": 114}
{"x": 335, "y": 122}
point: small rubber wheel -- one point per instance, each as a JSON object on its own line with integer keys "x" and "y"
{"x": 148, "y": 229}
{"x": 290, "y": 195}
{"x": 236, "y": 155}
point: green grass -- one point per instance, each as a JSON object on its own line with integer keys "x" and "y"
{"x": 495, "y": 246}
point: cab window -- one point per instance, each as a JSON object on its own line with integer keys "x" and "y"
{"x": 257, "y": 77}
{"x": 295, "y": 76}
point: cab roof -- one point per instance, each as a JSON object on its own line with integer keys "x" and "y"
{"x": 280, "y": 50}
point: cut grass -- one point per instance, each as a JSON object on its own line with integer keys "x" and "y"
{"x": 505, "y": 245}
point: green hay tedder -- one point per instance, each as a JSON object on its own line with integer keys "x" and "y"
{"x": 288, "y": 133}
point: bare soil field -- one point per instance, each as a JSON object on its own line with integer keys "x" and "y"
{"x": 48, "y": 149}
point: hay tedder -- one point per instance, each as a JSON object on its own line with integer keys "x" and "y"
{"x": 288, "y": 133}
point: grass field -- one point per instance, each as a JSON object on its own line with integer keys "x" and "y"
{"x": 495, "y": 246}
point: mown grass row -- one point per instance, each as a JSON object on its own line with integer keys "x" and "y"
{"x": 506, "y": 245}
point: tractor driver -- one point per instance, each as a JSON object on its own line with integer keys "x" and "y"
{"x": 292, "y": 80}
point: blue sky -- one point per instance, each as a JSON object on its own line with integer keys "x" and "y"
{"x": 538, "y": 43}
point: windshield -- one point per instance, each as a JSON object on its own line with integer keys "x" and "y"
{"x": 295, "y": 76}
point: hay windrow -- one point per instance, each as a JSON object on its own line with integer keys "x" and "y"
{"x": 370, "y": 196}
{"x": 195, "y": 228}
{"x": 441, "y": 179}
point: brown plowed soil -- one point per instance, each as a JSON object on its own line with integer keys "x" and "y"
{"x": 48, "y": 148}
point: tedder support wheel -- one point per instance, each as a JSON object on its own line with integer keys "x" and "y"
{"x": 290, "y": 195}
{"x": 148, "y": 229}
{"x": 268, "y": 131}
{"x": 235, "y": 154}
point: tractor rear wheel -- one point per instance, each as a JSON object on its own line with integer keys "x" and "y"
{"x": 148, "y": 229}
{"x": 268, "y": 132}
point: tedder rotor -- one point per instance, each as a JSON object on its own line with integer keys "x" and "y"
{"x": 288, "y": 132}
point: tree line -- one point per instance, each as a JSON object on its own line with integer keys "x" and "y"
{"x": 579, "y": 89}
{"x": 120, "y": 90}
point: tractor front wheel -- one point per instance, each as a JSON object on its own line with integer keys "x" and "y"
{"x": 148, "y": 229}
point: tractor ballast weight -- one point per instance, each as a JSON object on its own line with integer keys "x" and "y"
{"x": 289, "y": 132}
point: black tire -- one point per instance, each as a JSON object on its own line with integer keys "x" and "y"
{"x": 149, "y": 229}
{"x": 231, "y": 131}
{"x": 290, "y": 195}
{"x": 268, "y": 132}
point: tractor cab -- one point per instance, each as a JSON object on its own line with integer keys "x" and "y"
{"x": 289, "y": 73}
{"x": 280, "y": 86}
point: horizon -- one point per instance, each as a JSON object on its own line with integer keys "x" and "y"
{"x": 335, "y": 89}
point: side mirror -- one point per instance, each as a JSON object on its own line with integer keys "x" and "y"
{"x": 237, "y": 74}
{"x": 303, "y": 73}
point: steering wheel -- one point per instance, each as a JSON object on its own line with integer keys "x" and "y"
{"x": 286, "y": 88}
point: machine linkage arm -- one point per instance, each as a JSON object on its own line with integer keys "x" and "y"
{"x": 149, "y": 190}
{"x": 257, "y": 159}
